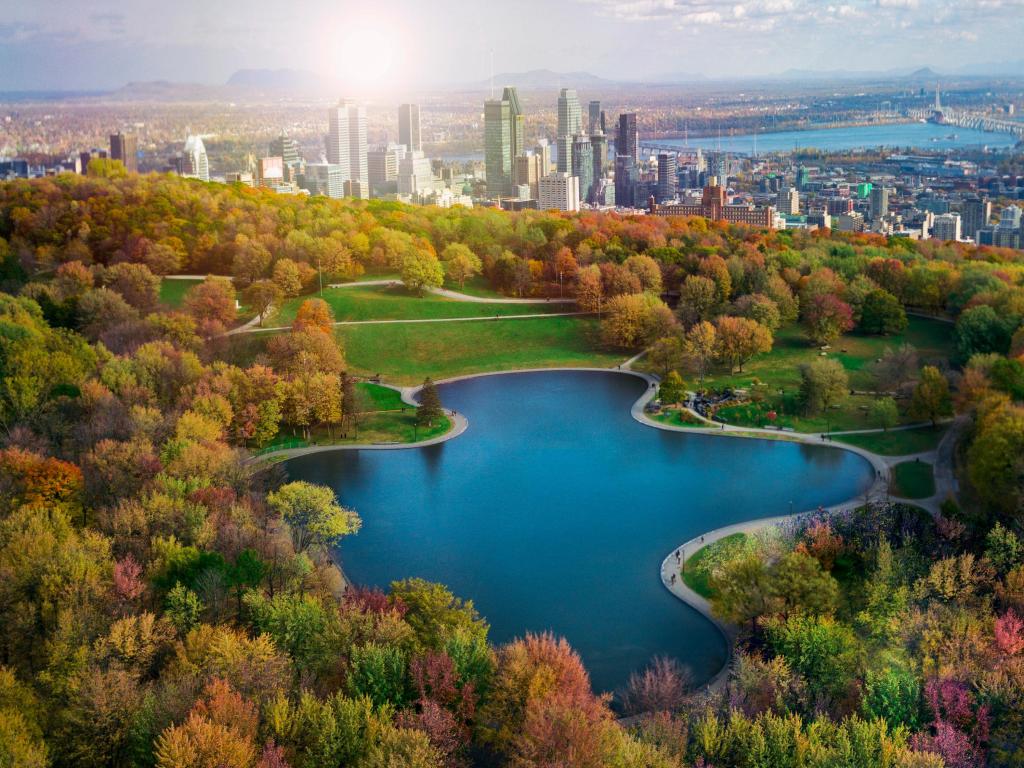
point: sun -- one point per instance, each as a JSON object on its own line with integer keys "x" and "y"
{"x": 364, "y": 56}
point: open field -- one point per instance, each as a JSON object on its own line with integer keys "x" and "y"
{"x": 913, "y": 480}
{"x": 382, "y": 302}
{"x": 897, "y": 443}
{"x": 173, "y": 290}
{"x": 409, "y": 353}
{"x": 779, "y": 372}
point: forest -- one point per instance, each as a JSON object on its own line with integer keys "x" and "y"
{"x": 168, "y": 600}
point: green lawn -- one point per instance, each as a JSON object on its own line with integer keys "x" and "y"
{"x": 779, "y": 372}
{"x": 173, "y": 290}
{"x": 409, "y": 353}
{"x": 897, "y": 443}
{"x": 475, "y": 286}
{"x": 378, "y": 398}
{"x": 697, "y": 569}
{"x": 382, "y": 302}
{"x": 379, "y": 427}
{"x": 913, "y": 480}
{"x": 678, "y": 417}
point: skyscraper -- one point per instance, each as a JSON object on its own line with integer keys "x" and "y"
{"x": 628, "y": 140}
{"x": 346, "y": 143}
{"x": 570, "y": 123}
{"x": 879, "y": 202}
{"x": 668, "y": 167}
{"x": 594, "y": 115}
{"x": 976, "y": 213}
{"x": 125, "y": 147}
{"x": 409, "y": 126}
{"x": 600, "y": 144}
{"x": 287, "y": 148}
{"x": 583, "y": 164}
{"x": 382, "y": 162}
{"x": 625, "y": 180}
{"x": 517, "y": 119}
{"x": 195, "y": 164}
{"x": 498, "y": 146}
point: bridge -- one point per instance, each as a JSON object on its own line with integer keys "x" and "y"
{"x": 652, "y": 149}
{"x": 978, "y": 121}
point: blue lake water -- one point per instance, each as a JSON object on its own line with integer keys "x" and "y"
{"x": 908, "y": 135}
{"x": 554, "y": 510}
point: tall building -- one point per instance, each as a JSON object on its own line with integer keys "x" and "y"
{"x": 346, "y": 143}
{"x": 583, "y": 164}
{"x": 287, "y": 148}
{"x": 946, "y": 226}
{"x": 594, "y": 115}
{"x": 570, "y": 123}
{"x": 517, "y": 120}
{"x": 803, "y": 178}
{"x": 409, "y": 126}
{"x": 559, "y": 191}
{"x": 789, "y": 201}
{"x": 668, "y": 168}
{"x": 626, "y": 178}
{"x": 543, "y": 150}
{"x": 194, "y": 162}
{"x": 529, "y": 170}
{"x": 323, "y": 179}
{"x": 125, "y": 147}
{"x": 600, "y": 144}
{"x": 415, "y": 176}
{"x": 270, "y": 172}
{"x": 382, "y": 165}
{"x": 628, "y": 140}
{"x": 975, "y": 214}
{"x": 498, "y": 146}
{"x": 879, "y": 202}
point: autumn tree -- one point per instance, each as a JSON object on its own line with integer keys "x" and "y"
{"x": 420, "y": 269}
{"x": 460, "y": 263}
{"x": 701, "y": 344}
{"x": 589, "y": 289}
{"x": 739, "y": 339}
{"x": 262, "y": 296}
{"x": 672, "y": 389}
{"x": 212, "y": 302}
{"x": 314, "y": 314}
{"x": 698, "y": 298}
{"x": 312, "y": 514}
{"x": 931, "y": 399}
{"x": 823, "y": 384}
{"x": 634, "y": 320}
{"x": 826, "y": 317}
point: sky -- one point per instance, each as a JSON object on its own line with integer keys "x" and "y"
{"x": 102, "y": 44}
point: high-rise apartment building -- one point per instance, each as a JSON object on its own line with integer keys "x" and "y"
{"x": 382, "y": 165}
{"x": 600, "y": 144}
{"x": 346, "y": 143}
{"x": 498, "y": 147}
{"x": 559, "y": 191}
{"x": 415, "y": 176}
{"x": 287, "y": 148}
{"x": 570, "y": 123}
{"x": 946, "y": 226}
{"x": 543, "y": 150}
{"x": 975, "y": 214}
{"x": 194, "y": 162}
{"x": 323, "y": 179}
{"x": 529, "y": 170}
{"x": 409, "y": 127}
{"x": 789, "y": 201}
{"x": 594, "y": 115}
{"x": 626, "y": 177}
{"x": 668, "y": 169}
{"x": 125, "y": 147}
{"x": 879, "y": 202}
{"x": 628, "y": 141}
{"x": 517, "y": 119}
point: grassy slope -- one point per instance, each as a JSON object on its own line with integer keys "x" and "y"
{"x": 387, "y": 303}
{"x": 409, "y": 353}
{"x": 780, "y": 370}
{"x": 172, "y": 291}
{"x": 696, "y": 574}
{"x": 913, "y": 480}
{"x": 901, "y": 443}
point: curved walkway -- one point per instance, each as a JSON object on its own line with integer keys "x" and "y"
{"x": 456, "y": 295}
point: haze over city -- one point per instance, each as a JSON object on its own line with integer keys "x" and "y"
{"x": 67, "y": 45}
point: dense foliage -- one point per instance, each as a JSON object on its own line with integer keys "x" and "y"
{"x": 165, "y": 601}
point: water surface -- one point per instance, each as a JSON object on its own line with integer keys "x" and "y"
{"x": 554, "y": 510}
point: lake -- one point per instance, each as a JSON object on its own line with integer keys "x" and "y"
{"x": 555, "y": 508}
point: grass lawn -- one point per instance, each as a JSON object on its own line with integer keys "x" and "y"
{"x": 378, "y": 398}
{"x": 779, "y": 371}
{"x": 378, "y": 427}
{"x": 677, "y": 417}
{"x": 898, "y": 443}
{"x": 172, "y": 291}
{"x": 475, "y": 286}
{"x": 913, "y": 480}
{"x": 382, "y": 302}
{"x": 697, "y": 569}
{"x": 409, "y": 353}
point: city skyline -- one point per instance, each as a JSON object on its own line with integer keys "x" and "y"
{"x": 50, "y": 45}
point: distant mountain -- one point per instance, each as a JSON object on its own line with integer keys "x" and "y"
{"x": 544, "y": 79}
{"x": 293, "y": 80}
{"x": 925, "y": 73}
{"x": 164, "y": 90}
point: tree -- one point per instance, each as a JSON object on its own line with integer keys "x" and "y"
{"x": 823, "y": 384}
{"x": 741, "y": 590}
{"x": 824, "y": 651}
{"x": 698, "y": 297}
{"x": 881, "y": 313}
{"x": 667, "y": 353}
{"x": 313, "y": 514}
{"x": 430, "y": 409}
{"x": 435, "y": 614}
{"x": 136, "y": 284}
{"x": 799, "y": 585}
{"x": 826, "y": 318}
{"x": 739, "y": 339}
{"x": 183, "y": 608}
{"x": 262, "y": 296}
{"x": 761, "y": 308}
{"x": 212, "y": 301}
{"x": 460, "y": 263}
{"x": 314, "y": 314}
{"x": 672, "y": 389}
{"x": 893, "y": 694}
{"x": 931, "y": 399}
{"x": 287, "y": 278}
{"x": 661, "y": 687}
{"x": 980, "y": 330}
{"x": 647, "y": 271}
{"x": 589, "y": 289}
{"x": 701, "y": 344}
{"x": 883, "y": 413}
{"x": 420, "y": 269}
{"x": 634, "y": 320}
{"x": 896, "y": 368}
{"x": 379, "y": 673}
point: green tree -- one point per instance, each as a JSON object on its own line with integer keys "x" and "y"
{"x": 931, "y": 399}
{"x": 379, "y": 673}
{"x": 183, "y": 607}
{"x": 698, "y": 298}
{"x": 893, "y": 694}
{"x": 262, "y": 296}
{"x": 741, "y": 589}
{"x": 313, "y": 514}
{"x": 881, "y": 313}
{"x": 824, "y": 651}
{"x": 435, "y": 614}
{"x": 823, "y": 384}
{"x": 420, "y": 269}
{"x": 1003, "y": 549}
{"x": 883, "y": 413}
{"x": 672, "y": 389}
{"x": 980, "y": 330}
{"x": 460, "y": 263}
{"x": 701, "y": 345}
{"x": 430, "y": 408}
{"x": 299, "y": 625}
{"x": 667, "y": 353}
{"x": 799, "y": 585}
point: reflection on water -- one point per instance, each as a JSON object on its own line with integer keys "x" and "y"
{"x": 554, "y": 510}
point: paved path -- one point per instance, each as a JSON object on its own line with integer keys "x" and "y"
{"x": 456, "y": 295}
{"x": 253, "y": 327}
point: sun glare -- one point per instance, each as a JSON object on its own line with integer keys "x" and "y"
{"x": 364, "y": 56}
